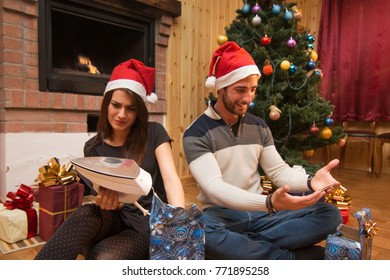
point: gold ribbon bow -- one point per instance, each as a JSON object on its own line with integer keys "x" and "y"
{"x": 339, "y": 198}
{"x": 53, "y": 174}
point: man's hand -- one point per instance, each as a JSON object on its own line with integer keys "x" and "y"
{"x": 107, "y": 199}
{"x": 282, "y": 200}
{"x": 323, "y": 178}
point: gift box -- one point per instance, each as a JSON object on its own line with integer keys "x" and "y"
{"x": 342, "y": 200}
{"x": 56, "y": 203}
{"x": 60, "y": 194}
{"x": 19, "y": 216}
{"x": 352, "y": 244}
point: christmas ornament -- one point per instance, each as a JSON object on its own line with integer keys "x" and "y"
{"x": 313, "y": 55}
{"x": 318, "y": 72}
{"x": 246, "y": 8}
{"x": 308, "y": 153}
{"x": 285, "y": 65}
{"x": 314, "y": 130}
{"x": 256, "y": 20}
{"x": 265, "y": 41}
{"x": 341, "y": 142}
{"x": 326, "y": 133}
{"x": 288, "y": 15}
{"x": 298, "y": 14}
{"x": 251, "y": 105}
{"x": 256, "y": 8}
{"x": 293, "y": 68}
{"x": 310, "y": 46}
{"x": 268, "y": 70}
{"x": 328, "y": 121}
{"x": 275, "y": 113}
{"x": 310, "y": 38}
{"x": 276, "y": 9}
{"x": 310, "y": 65}
{"x": 291, "y": 43}
{"x": 222, "y": 39}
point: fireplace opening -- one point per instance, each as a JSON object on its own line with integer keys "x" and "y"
{"x": 80, "y": 45}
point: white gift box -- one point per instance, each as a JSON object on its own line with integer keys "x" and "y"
{"x": 13, "y": 223}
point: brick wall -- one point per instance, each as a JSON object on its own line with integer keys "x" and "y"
{"x": 23, "y": 108}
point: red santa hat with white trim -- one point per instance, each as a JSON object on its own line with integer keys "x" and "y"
{"x": 135, "y": 76}
{"x": 229, "y": 64}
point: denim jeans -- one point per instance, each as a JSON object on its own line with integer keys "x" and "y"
{"x": 241, "y": 235}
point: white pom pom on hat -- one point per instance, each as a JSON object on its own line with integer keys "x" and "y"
{"x": 229, "y": 64}
{"x": 135, "y": 76}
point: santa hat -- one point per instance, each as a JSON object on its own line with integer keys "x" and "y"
{"x": 135, "y": 76}
{"x": 229, "y": 64}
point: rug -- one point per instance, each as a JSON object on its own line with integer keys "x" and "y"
{"x": 7, "y": 248}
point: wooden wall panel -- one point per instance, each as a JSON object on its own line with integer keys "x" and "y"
{"x": 192, "y": 42}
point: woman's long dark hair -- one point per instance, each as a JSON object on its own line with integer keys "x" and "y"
{"x": 135, "y": 145}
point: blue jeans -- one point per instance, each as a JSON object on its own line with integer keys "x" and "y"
{"x": 241, "y": 235}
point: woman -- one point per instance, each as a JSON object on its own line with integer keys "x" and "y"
{"x": 109, "y": 229}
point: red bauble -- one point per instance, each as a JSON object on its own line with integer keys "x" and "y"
{"x": 267, "y": 70}
{"x": 314, "y": 130}
{"x": 265, "y": 41}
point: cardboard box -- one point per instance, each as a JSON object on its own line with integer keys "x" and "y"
{"x": 15, "y": 224}
{"x": 56, "y": 203}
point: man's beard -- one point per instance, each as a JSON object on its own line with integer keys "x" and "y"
{"x": 231, "y": 106}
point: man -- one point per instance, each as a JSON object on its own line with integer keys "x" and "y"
{"x": 224, "y": 148}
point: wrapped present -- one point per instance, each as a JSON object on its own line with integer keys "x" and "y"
{"x": 342, "y": 200}
{"x": 60, "y": 194}
{"x": 352, "y": 244}
{"x": 19, "y": 216}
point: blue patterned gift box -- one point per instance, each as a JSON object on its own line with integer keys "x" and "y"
{"x": 176, "y": 233}
{"x": 352, "y": 244}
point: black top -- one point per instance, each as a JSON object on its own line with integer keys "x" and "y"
{"x": 130, "y": 214}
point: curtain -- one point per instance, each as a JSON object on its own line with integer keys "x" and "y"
{"x": 354, "y": 52}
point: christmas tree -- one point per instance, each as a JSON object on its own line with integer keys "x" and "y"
{"x": 288, "y": 97}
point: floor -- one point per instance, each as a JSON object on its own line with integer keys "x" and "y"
{"x": 365, "y": 191}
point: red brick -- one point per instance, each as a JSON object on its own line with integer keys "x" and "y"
{"x": 31, "y": 47}
{"x": 12, "y": 18}
{"x": 13, "y": 57}
{"x": 80, "y": 102}
{"x": 77, "y": 127}
{"x": 14, "y": 70}
{"x": 45, "y": 100}
{"x": 57, "y": 100}
{"x": 31, "y": 60}
{"x": 31, "y": 84}
{"x": 68, "y": 116}
{"x": 17, "y": 99}
{"x": 70, "y": 101}
{"x": 11, "y": 82}
{"x": 12, "y": 43}
{"x": 12, "y": 31}
{"x": 32, "y": 99}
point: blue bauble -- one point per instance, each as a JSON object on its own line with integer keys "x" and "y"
{"x": 276, "y": 9}
{"x": 288, "y": 15}
{"x": 310, "y": 65}
{"x": 293, "y": 68}
{"x": 310, "y": 38}
{"x": 328, "y": 121}
{"x": 246, "y": 8}
{"x": 252, "y": 105}
{"x": 310, "y": 46}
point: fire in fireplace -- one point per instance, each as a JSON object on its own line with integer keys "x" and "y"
{"x": 81, "y": 41}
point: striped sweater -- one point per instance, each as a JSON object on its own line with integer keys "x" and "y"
{"x": 225, "y": 164}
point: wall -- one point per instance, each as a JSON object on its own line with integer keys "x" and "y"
{"x": 36, "y": 126}
{"x": 191, "y": 45}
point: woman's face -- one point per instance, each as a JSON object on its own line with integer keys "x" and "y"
{"x": 121, "y": 111}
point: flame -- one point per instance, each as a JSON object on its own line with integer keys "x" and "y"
{"x": 83, "y": 60}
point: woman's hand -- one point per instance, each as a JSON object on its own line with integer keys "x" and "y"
{"x": 107, "y": 199}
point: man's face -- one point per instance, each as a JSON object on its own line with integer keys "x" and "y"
{"x": 237, "y": 97}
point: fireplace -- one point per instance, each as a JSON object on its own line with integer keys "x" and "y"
{"x": 80, "y": 42}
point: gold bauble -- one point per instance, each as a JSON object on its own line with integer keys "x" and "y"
{"x": 222, "y": 39}
{"x": 326, "y": 133}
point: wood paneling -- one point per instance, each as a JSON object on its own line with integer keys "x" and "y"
{"x": 191, "y": 44}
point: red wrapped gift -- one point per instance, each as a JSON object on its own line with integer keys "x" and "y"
{"x": 56, "y": 203}
{"x": 345, "y": 215}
